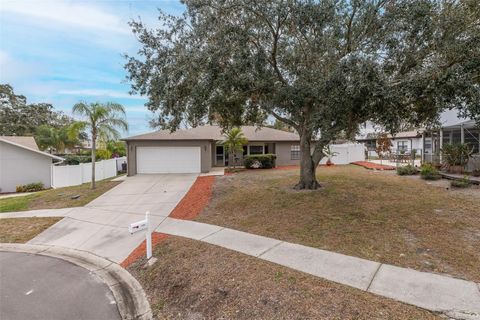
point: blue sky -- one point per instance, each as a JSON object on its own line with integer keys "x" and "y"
{"x": 62, "y": 52}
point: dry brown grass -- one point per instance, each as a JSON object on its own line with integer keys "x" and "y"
{"x": 21, "y": 230}
{"x": 194, "y": 280}
{"x": 373, "y": 215}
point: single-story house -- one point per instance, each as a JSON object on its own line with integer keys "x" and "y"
{"x": 199, "y": 149}
{"x": 401, "y": 142}
{"x": 21, "y": 162}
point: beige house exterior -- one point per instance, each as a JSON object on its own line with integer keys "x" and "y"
{"x": 199, "y": 149}
{"x": 21, "y": 162}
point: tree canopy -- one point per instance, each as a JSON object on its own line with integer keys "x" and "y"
{"x": 321, "y": 67}
{"x": 19, "y": 118}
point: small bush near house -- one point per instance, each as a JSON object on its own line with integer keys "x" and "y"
{"x": 31, "y": 187}
{"x": 103, "y": 154}
{"x": 429, "y": 172}
{"x": 462, "y": 183}
{"x": 260, "y": 161}
{"x": 407, "y": 170}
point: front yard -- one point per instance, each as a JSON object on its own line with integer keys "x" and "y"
{"x": 372, "y": 215}
{"x": 194, "y": 280}
{"x": 57, "y": 198}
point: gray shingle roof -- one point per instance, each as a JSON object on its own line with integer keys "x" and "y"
{"x": 28, "y": 142}
{"x": 252, "y": 133}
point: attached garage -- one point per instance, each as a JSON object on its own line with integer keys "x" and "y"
{"x": 166, "y": 159}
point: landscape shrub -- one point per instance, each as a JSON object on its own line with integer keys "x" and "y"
{"x": 103, "y": 154}
{"x": 259, "y": 161}
{"x": 31, "y": 187}
{"x": 407, "y": 170}
{"x": 456, "y": 154}
{"x": 74, "y": 159}
{"x": 429, "y": 172}
{"x": 462, "y": 183}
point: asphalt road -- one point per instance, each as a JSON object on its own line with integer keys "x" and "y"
{"x": 37, "y": 287}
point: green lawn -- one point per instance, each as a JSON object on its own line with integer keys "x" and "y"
{"x": 57, "y": 198}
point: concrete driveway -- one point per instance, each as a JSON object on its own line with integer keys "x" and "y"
{"x": 101, "y": 227}
{"x": 41, "y": 287}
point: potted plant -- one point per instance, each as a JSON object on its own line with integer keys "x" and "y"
{"x": 456, "y": 156}
{"x": 329, "y": 154}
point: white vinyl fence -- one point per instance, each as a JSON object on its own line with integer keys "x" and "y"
{"x": 347, "y": 153}
{"x": 74, "y": 175}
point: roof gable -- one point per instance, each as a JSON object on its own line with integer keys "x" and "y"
{"x": 25, "y": 141}
{"x": 27, "y": 145}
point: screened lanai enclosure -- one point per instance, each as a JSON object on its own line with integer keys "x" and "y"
{"x": 465, "y": 132}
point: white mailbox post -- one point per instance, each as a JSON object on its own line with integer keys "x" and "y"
{"x": 142, "y": 225}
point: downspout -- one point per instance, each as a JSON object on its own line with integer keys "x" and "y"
{"x": 423, "y": 147}
{"x": 440, "y": 144}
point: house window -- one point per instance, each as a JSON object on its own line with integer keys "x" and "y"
{"x": 402, "y": 145}
{"x": 295, "y": 152}
{"x": 428, "y": 143}
{"x": 256, "y": 149}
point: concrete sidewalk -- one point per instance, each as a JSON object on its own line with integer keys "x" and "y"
{"x": 455, "y": 298}
{"x": 101, "y": 227}
{"x": 41, "y": 213}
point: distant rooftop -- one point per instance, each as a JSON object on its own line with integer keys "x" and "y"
{"x": 405, "y": 134}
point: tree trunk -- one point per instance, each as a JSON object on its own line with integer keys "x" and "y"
{"x": 92, "y": 184}
{"x": 308, "y": 166}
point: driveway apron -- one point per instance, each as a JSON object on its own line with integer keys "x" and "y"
{"x": 101, "y": 227}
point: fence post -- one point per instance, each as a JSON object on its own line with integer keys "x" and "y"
{"x": 148, "y": 239}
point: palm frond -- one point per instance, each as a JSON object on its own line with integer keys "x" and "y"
{"x": 82, "y": 109}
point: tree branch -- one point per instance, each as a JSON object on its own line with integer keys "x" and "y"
{"x": 285, "y": 120}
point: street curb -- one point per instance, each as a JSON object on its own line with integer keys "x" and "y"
{"x": 131, "y": 300}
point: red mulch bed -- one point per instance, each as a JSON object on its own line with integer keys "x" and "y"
{"x": 195, "y": 200}
{"x": 141, "y": 250}
{"x": 373, "y": 166}
{"x": 191, "y": 205}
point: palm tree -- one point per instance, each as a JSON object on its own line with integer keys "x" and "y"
{"x": 59, "y": 139}
{"x": 233, "y": 143}
{"x": 102, "y": 119}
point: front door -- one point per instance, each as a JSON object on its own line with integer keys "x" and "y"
{"x": 219, "y": 156}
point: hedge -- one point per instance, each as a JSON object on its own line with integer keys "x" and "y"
{"x": 259, "y": 161}
{"x": 31, "y": 187}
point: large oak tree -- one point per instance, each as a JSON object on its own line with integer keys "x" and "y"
{"x": 321, "y": 67}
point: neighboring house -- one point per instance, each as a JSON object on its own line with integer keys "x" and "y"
{"x": 21, "y": 162}
{"x": 199, "y": 149}
{"x": 401, "y": 142}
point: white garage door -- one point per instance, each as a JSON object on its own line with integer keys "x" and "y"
{"x": 168, "y": 160}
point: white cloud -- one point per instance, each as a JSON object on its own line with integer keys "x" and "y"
{"x": 78, "y": 15}
{"x": 12, "y": 69}
{"x": 100, "y": 93}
